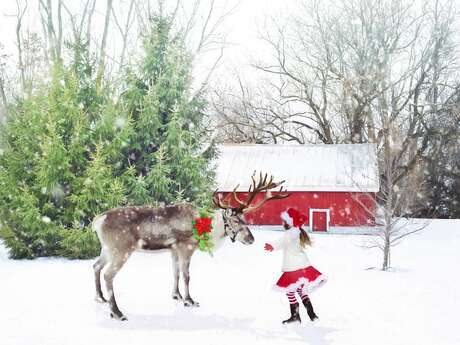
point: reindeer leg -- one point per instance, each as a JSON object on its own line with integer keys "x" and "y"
{"x": 114, "y": 267}
{"x": 98, "y": 266}
{"x": 175, "y": 261}
{"x": 185, "y": 256}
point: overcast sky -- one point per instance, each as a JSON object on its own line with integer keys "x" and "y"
{"x": 241, "y": 28}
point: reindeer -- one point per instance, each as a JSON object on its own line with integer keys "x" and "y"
{"x": 123, "y": 230}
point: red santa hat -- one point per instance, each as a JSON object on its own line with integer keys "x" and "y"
{"x": 293, "y": 217}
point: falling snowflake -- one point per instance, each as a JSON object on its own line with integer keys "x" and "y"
{"x": 120, "y": 122}
{"x": 58, "y": 192}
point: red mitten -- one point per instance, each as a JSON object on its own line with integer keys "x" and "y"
{"x": 268, "y": 247}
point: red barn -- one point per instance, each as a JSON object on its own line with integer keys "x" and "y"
{"x": 334, "y": 185}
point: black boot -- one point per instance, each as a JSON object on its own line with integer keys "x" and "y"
{"x": 311, "y": 313}
{"x": 295, "y": 317}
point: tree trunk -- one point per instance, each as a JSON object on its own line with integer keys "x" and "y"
{"x": 50, "y": 30}
{"x": 388, "y": 178}
{"x": 386, "y": 253}
{"x": 90, "y": 18}
{"x": 60, "y": 31}
{"x": 21, "y": 13}
{"x": 101, "y": 64}
{"x": 125, "y": 35}
{"x": 3, "y": 101}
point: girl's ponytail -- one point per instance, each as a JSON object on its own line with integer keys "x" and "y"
{"x": 304, "y": 238}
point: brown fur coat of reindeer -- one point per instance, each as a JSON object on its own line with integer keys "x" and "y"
{"x": 121, "y": 231}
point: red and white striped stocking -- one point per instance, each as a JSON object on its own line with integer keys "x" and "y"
{"x": 302, "y": 295}
{"x": 291, "y": 297}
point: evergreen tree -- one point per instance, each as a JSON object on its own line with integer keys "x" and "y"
{"x": 69, "y": 152}
{"x": 55, "y": 171}
{"x": 168, "y": 154}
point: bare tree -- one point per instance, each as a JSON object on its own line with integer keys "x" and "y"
{"x": 60, "y": 36}
{"x": 3, "y": 102}
{"x": 53, "y": 34}
{"x": 210, "y": 38}
{"x": 102, "y": 51}
{"x": 29, "y": 58}
{"x": 352, "y": 73}
{"x": 403, "y": 107}
{"x": 34, "y": 62}
{"x": 3, "y": 99}
{"x": 197, "y": 22}
{"x": 20, "y": 16}
{"x": 406, "y": 104}
{"x": 330, "y": 65}
{"x": 78, "y": 20}
{"x": 393, "y": 205}
{"x": 124, "y": 31}
{"x": 250, "y": 115}
{"x": 92, "y": 7}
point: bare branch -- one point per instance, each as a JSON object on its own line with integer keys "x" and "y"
{"x": 102, "y": 52}
{"x": 20, "y": 15}
{"x": 124, "y": 31}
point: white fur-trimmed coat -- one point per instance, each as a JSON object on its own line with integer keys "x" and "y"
{"x": 294, "y": 256}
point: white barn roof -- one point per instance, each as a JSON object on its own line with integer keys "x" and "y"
{"x": 331, "y": 168}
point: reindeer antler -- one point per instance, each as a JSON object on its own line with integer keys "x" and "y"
{"x": 219, "y": 203}
{"x": 264, "y": 184}
{"x": 268, "y": 196}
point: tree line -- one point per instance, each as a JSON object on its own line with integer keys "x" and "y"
{"x": 89, "y": 124}
{"x": 78, "y": 138}
{"x": 361, "y": 71}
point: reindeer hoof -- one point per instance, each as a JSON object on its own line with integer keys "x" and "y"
{"x": 100, "y": 299}
{"x": 191, "y": 303}
{"x": 120, "y": 317}
{"x": 177, "y": 297}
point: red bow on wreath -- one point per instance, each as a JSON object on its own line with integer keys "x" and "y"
{"x": 297, "y": 218}
{"x": 202, "y": 225}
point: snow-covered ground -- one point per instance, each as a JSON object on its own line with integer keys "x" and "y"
{"x": 50, "y": 301}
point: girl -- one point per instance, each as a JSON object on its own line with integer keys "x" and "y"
{"x": 298, "y": 275}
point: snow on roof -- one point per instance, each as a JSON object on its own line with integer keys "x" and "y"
{"x": 334, "y": 168}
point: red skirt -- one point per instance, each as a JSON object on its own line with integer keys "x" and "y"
{"x": 308, "y": 279}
